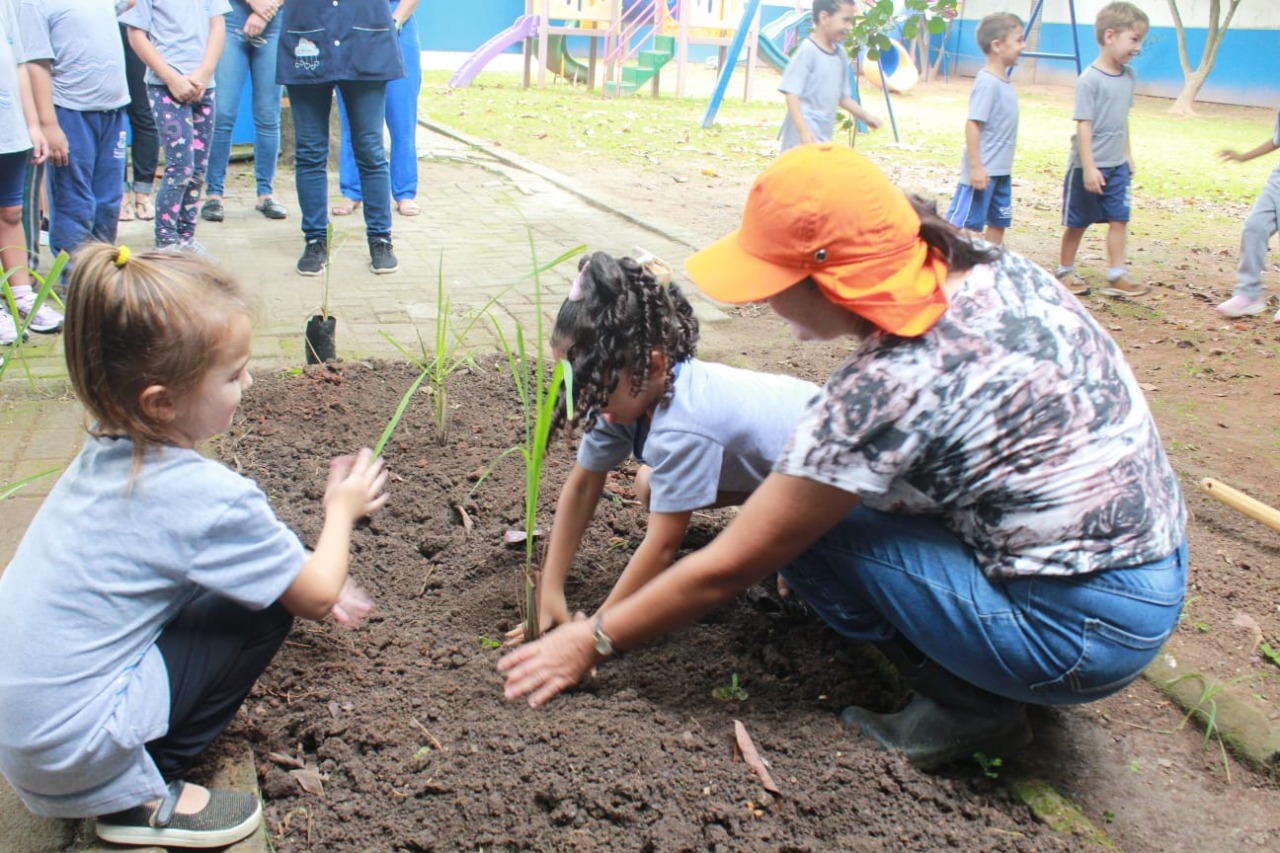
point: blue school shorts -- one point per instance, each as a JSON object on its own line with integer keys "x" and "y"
{"x": 975, "y": 209}
{"x": 13, "y": 177}
{"x": 1081, "y": 208}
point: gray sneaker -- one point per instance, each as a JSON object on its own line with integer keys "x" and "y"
{"x": 313, "y": 258}
{"x": 382, "y": 260}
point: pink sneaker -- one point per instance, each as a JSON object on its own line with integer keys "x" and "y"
{"x": 1242, "y": 306}
{"x": 46, "y": 320}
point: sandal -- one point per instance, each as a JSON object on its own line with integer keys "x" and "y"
{"x": 126, "y": 210}
{"x": 408, "y": 207}
{"x": 346, "y": 207}
{"x": 143, "y": 208}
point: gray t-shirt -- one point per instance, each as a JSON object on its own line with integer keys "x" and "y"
{"x": 1015, "y": 420}
{"x": 102, "y": 569}
{"x": 179, "y": 31}
{"x": 87, "y": 64}
{"x": 721, "y": 432}
{"x": 994, "y": 103}
{"x": 13, "y": 121}
{"x": 821, "y": 80}
{"x": 1104, "y": 99}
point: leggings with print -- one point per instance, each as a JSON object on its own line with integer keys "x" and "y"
{"x": 186, "y": 131}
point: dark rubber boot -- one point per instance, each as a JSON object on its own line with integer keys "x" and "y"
{"x": 947, "y": 719}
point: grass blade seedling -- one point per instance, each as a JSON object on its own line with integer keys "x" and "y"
{"x": 45, "y": 287}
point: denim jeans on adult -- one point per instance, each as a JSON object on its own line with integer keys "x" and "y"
{"x": 1259, "y": 228}
{"x": 402, "y": 125}
{"x": 254, "y": 61}
{"x": 366, "y": 104}
{"x": 1045, "y": 640}
{"x": 84, "y": 195}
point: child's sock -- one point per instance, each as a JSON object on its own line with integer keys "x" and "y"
{"x": 1064, "y": 270}
{"x": 1114, "y": 273}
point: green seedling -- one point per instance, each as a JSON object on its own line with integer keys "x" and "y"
{"x": 398, "y": 414}
{"x": 990, "y": 766}
{"x": 1108, "y": 816}
{"x": 18, "y": 485}
{"x": 423, "y": 752}
{"x": 45, "y": 287}
{"x": 1270, "y": 653}
{"x": 734, "y": 692}
{"x": 489, "y": 643}
{"x": 1206, "y": 708}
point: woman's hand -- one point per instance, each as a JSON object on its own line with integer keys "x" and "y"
{"x": 254, "y": 25}
{"x": 265, "y": 9}
{"x": 545, "y": 667}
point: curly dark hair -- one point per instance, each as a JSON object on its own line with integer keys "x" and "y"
{"x": 623, "y": 315}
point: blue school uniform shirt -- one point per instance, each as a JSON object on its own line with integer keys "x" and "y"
{"x": 820, "y": 79}
{"x": 13, "y": 121}
{"x": 179, "y": 30}
{"x": 107, "y": 562}
{"x": 339, "y": 40}
{"x": 87, "y": 65}
{"x": 720, "y": 432}
{"x": 994, "y": 104}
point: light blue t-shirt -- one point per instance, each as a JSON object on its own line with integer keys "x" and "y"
{"x": 74, "y": 35}
{"x": 179, "y": 31}
{"x": 720, "y": 432}
{"x": 13, "y": 121}
{"x": 821, "y": 80}
{"x": 994, "y": 103}
{"x": 104, "y": 566}
{"x": 1104, "y": 99}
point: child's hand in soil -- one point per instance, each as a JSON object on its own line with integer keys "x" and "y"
{"x": 355, "y": 485}
{"x": 352, "y": 606}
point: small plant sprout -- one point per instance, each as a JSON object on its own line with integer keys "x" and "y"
{"x": 1270, "y": 653}
{"x": 398, "y": 414}
{"x": 45, "y": 289}
{"x": 538, "y": 398}
{"x": 489, "y": 643}
{"x": 990, "y": 766}
{"x": 18, "y": 485}
{"x": 734, "y": 692}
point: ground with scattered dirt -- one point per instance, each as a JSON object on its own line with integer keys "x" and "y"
{"x": 402, "y": 722}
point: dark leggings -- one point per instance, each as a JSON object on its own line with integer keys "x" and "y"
{"x": 214, "y": 651}
{"x": 146, "y": 144}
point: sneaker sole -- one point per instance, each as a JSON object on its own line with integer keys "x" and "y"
{"x": 1111, "y": 291}
{"x": 383, "y": 270}
{"x": 167, "y": 837}
{"x": 309, "y": 272}
{"x": 1234, "y": 315}
{"x": 45, "y": 330}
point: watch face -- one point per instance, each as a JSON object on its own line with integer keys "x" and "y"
{"x": 603, "y": 646}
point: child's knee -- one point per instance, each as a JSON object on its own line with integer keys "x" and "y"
{"x": 11, "y": 217}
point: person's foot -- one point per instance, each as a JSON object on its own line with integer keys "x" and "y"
{"x": 931, "y": 734}
{"x": 408, "y": 207}
{"x": 271, "y": 208}
{"x": 143, "y": 207}
{"x": 313, "y": 258}
{"x": 382, "y": 259}
{"x": 46, "y": 319}
{"x": 1124, "y": 286}
{"x": 224, "y": 818}
{"x": 1242, "y": 306}
{"x": 1074, "y": 283}
{"x": 346, "y": 207}
{"x": 8, "y": 328}
{"x": 192, "y": 246}
{"x": 127, "y": 213}
{"x": 212, "y": 210}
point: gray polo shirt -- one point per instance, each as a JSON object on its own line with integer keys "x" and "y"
{"x": 13, "y": 121}
{"x": 993, "y": 103}
{"x": 1104, "y": 99}
{"x": 180, "y": 31}
{"x": 87, "y": 66}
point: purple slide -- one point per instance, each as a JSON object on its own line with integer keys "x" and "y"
{"x": 525, "y": 26}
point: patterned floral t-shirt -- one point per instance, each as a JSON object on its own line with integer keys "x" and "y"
{"x": 1015, "y": 419}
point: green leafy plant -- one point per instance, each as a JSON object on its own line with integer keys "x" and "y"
{"x": 538, "y": 396}
{"x": 990, "y": 766}
{"x": 45, "y": 287}
{"x": 871, "y": 29}
{"x": 733, "y": 692}
{"x": 398, "y": 414}
{"x": 18, "y": 485}
{"x": 1270, "y": 653}
{"x": 489, "y": 643}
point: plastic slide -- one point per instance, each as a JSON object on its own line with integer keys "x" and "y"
{"x": 899, "y": 71}
{"x": 560, "y": 61}
{"x": 525, "y": 26}
{"x": 769, "y": 51}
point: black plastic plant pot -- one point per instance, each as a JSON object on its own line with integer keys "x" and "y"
{"x": 322, "y": 339}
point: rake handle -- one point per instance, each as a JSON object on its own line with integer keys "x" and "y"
{"x": 1238, "y": 500}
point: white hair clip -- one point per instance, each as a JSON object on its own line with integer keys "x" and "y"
{"x": 575, "y": 292}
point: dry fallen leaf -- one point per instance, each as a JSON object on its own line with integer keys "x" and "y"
{"x": 744, "y": 747}
{"x": 310, "y": 779}
{"x": 286, "y": 760}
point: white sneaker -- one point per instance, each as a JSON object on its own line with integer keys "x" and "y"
{"x": 1242, "y": 306}
{"x": 8, "y": 329}
{"x": 46, "y": 320}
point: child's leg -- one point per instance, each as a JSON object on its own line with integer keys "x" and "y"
{"x": 1070, "y": 245}
{"x": 173, "y": 121}
{"x": 71, "y": 202}
{"x": 1259, "y": 228}
{"x": 214, "y": 652}
{"x": 1117, "y": 233}
{"x": 108, "y": 172}
{"x": 402, "y": 116}
{"x": 13, "y": 251}
{"x": 202, "y": 118}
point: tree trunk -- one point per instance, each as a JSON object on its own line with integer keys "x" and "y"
{"x": 1185, "y": 103}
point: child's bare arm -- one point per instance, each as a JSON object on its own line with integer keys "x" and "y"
{"x": 856, "y": 110}
{"x": 354, "y": 491}
{"x": 39, "y": 145}
{"x": 797, "y": 119}
{"x": 978, "y": 178}
{"x": 1231, "y": 155}
{"x": 662, "y": 538}
{"x": 40, "y": 73}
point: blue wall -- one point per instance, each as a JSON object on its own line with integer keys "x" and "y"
{"x": 446, "y": 25}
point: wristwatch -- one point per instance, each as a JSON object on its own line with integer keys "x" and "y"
{"x": 604, "y": 645}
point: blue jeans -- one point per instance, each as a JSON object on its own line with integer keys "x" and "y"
{"x": 402, "y": 122}
{"x": 1044, "y": 640}
{"x": 84, "y": 195}
{"x": 242, "y": 60}
{"x": 1259, "y": 228}
{"x": 366, "y": 105}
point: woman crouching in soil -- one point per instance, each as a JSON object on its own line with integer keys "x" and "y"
{"x": 980, "y": 489}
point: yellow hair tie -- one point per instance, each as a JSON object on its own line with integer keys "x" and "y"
{"x": 122, "y": 255}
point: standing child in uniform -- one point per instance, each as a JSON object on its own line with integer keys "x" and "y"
{"x": 816, "y": 82}
{"x": 985, "y": 194}
{"x": 1247, "y": 299}
{"x": 705, "y": 434}
{"x": 180, "y": 42}
{"x": 154, "y": 585}
{"x": 1096, "y": 187}
{"x": 20, "y": 140}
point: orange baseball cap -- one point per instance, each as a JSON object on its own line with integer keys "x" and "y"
{"x": 826, "y": 212}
